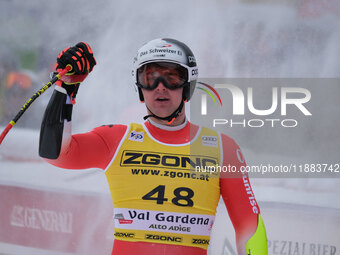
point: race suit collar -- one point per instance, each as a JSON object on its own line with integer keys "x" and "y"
{"x": 181, "y": 134}
{"x": 167, "y": 127}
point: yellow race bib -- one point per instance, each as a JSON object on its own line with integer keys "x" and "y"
{"x": 158, "y": 195}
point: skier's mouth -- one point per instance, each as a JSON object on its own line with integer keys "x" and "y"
{"x": 162, "y": 99}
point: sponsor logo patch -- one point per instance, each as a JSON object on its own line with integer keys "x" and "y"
{"x": 124, "y": 234}
{"x": 136, "y": 136}
{"x": 177, "y": 161}
{"x": 120, "y": 218}
{"x": 164, "y": 238}
{"x": 209, "y": 141}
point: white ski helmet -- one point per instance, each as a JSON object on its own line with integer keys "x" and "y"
{"x": 167, "y": 50}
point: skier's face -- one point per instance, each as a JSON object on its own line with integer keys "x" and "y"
{"x": 162, "y": 90}
{"x": 161, "y": 100}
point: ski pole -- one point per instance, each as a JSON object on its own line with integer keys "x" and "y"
{"x": 31, "y": 100}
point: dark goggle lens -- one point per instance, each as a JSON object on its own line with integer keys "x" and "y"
{"x": 174, "y": 75}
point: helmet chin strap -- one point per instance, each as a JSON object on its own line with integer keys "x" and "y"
{"x": 169, "y": 118}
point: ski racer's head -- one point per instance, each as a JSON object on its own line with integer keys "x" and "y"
{"x": 165, "y": 73}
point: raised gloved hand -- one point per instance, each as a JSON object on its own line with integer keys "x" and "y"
{"x": 80, "y": 58}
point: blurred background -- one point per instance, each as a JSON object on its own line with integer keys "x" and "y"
{"x": 230, "y": 39}
{"x": 243, "y": 38}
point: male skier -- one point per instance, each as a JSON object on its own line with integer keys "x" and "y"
{"x": 161, "y": 204}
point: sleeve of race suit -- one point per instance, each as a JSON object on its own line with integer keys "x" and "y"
{"x": 241, "y": 204}
{"x": 59, "y": 147}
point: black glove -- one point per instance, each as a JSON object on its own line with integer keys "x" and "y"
{"x": 80, "y": 58}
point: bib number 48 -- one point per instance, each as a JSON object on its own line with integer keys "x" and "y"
{"x": 182, "y": 195}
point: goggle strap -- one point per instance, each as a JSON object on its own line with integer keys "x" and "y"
{"x": 169, "y": 118}
{"x": 169, "y": 122}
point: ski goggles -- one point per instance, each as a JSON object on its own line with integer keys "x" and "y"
{"x": 172, "y": 75}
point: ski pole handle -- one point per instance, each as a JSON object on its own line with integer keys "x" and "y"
{"x": 31, "y": 100}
